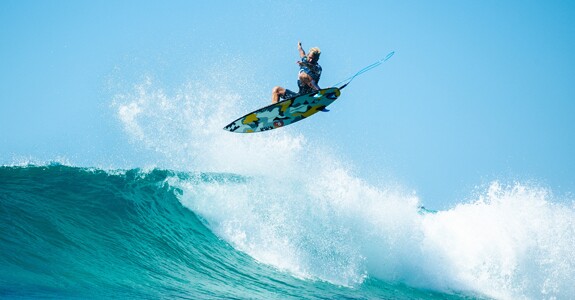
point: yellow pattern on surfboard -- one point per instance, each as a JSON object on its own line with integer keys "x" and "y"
{"x": 250, "y": 118}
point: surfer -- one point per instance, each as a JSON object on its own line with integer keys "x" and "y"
{"x": 308, "y": 77}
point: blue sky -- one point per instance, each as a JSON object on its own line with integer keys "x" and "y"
{"x": 477, "y": 90}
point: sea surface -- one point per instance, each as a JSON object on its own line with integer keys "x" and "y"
{"x": 74, "y": 232}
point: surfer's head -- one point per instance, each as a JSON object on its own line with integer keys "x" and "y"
{"x": 313, "y": 54}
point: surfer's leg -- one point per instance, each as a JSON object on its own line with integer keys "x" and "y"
{"x": 307, "y": 80}
{"x": 277, "y": 92}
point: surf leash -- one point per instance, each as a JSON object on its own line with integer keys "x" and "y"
{"x": 375, "y": 64}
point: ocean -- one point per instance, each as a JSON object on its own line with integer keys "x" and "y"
{"x": 75, "y": 232}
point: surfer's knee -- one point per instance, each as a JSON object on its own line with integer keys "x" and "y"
{"x": 278, "y": 90}
{"x": 308, "y": 80}
{"x": 304, "y": 77}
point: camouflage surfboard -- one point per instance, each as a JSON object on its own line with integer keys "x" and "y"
{"x": 284, "y": 112}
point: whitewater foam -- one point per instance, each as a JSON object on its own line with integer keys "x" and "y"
{"x": 512, "y": 242}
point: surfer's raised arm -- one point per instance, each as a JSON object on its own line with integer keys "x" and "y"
{"x": 300, "y": 49}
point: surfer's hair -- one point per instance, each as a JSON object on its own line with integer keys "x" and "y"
{"x": 315, "y": 52}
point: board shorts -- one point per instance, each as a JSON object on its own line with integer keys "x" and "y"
{"x": 303, "y": 89}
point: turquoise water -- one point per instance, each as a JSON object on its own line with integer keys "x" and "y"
{"x": 75, "y": 232}
{"x": 70, "y": 232}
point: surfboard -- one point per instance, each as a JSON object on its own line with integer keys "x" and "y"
{"x": 285, "y": 112}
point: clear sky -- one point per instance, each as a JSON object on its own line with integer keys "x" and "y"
{"x": 476, "y": 91}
